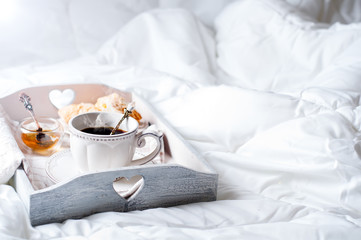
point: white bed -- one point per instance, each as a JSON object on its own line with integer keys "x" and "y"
{"x": 267, "y": 91}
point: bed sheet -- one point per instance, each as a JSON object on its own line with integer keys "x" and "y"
{"x": 267, "y": 91}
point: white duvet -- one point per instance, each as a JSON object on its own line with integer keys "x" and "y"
{"x": 267, "y": 91}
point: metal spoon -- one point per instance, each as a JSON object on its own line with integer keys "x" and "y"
{"x": 40, "y": 137}
{"x": 127, "y": 111}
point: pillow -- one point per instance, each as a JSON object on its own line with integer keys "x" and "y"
{"x": 171, "y": 41}
{"x": 95, "y": 21}
{"x": 36, "y": 32}
{"x": 271, "y": 46}
{"x": 330, "y": 11}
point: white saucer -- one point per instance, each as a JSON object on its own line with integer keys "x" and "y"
{"x": 61, "y": 167}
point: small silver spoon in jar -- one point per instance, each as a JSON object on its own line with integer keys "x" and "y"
{"x": 41, "y": 137}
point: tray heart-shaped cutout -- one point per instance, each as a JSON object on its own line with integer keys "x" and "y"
{"x": 61, "y": 98}
{"x": 126, "y": 188}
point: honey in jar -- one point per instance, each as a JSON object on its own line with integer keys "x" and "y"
{"x": 43, "y": 141}
{"x": 40, "y": 141}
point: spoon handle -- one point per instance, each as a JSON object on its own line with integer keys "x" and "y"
{"x": 127, "y": 111}
{"x": 26, "y": 100}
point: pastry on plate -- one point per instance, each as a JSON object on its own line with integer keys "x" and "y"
{"x": 110, "y": 103}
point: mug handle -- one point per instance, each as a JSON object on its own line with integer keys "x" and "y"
{"x": 140, "y": 142}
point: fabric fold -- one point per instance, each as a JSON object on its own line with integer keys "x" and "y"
{"x": 10, "y": 154}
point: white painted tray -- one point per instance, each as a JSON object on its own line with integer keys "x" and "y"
{"x": 184, "y": 177}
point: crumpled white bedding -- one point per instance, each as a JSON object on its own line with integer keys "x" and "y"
{"x": 269, "y": 95}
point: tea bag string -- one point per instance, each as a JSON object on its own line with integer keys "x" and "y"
{"x": 127, "y": 111}
{"x": 26, "y": 100}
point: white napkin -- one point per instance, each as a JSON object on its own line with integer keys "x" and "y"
{"x": 10, "y": 154}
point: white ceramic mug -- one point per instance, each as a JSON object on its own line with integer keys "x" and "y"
{"x": 94, "y": 152}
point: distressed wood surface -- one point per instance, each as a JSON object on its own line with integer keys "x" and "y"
{"x": 164, "y": 186}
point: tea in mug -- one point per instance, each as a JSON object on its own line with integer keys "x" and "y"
{"x": 102, "y": 130}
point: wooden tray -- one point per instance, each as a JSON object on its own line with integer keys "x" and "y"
{"x": 183, "y": 178}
